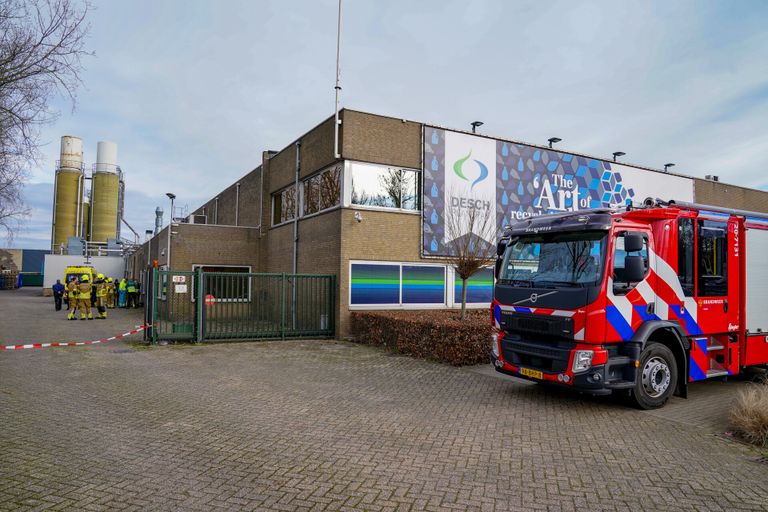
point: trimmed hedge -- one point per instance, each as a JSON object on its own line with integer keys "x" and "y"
{"x": 437, "y": 335}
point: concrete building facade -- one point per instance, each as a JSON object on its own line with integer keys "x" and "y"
{"x": 302, "y": 210}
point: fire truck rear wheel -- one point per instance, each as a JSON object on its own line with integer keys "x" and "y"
{"x": 656, "y": 377}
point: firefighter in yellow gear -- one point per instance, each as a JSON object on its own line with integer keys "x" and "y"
{"x": 84, "y": 297}
{"x": 72, "y": 297}
{"x": 110, "y": 293}
{"x": 101, "y": 296}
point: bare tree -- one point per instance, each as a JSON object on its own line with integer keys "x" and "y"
{"x": 467, "y": 230}
{"x": 42, "y": 43}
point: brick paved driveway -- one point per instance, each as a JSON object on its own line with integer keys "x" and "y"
{"x": 329, "y": 425}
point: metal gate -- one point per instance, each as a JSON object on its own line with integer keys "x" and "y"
{"x": 201, "y": 306}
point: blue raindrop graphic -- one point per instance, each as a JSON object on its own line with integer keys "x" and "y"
{"x": 505, "y": 198}
{"x": 434, "y": 190}
{"x": 536, "y": 155}
{"x": 435, "y": 139}
{"x": 520, "y": 189}
{"x": 433, "y": 245}
{"x": 434, "y": 218}
{"x": 504, "y": 174}
{"x": 434, "y": 163}
{"x": 520, "y": 165}
{"x": 504, "y": 150}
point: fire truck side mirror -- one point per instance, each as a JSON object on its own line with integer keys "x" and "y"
{"x": 633, "y": 242}
{"x": 634, "y": 268}
{"x": 501, "y": 247}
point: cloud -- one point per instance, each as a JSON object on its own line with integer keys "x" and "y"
{"x": 194, "y": 92}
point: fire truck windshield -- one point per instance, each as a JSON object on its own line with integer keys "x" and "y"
{"x": 554, "y": 259}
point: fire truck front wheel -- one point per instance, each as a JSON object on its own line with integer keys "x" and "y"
{"x": 656, "y": 377}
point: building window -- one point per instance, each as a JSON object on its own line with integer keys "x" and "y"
{"x": 479, "y": 287}
{"x": 375, "y": 284}
{"x": 322, "y": 191}
{"x": 284, "y": 205}
{"x": 385, "y": 187}
{"x": 423, "y": 284}
{"x": 713, "y": 259}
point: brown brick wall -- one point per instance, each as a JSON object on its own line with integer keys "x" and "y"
{"x": 721, "y": 194}
{"x": 250, "y": 194}
{"x": 214, "y": 245}
{"x": 381, "y": 236}
{"x": 278, "y": 249}
{"x": 378, "y": 139}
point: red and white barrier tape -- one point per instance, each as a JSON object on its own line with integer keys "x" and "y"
{"x": 74, "y": 343}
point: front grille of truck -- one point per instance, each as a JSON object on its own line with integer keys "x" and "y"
{"x": 549, "y": 356}
{"x": 538, "y": 325}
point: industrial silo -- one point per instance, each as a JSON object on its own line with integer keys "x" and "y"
{"x": 105, "y": 189}
{"x": 68, "y": 192}
{"x": 85, "y": 228}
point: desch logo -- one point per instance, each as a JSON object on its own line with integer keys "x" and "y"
{"x": 458, "y": 169}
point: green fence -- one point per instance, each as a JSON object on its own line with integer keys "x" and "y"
{"x": 202, "y": 306}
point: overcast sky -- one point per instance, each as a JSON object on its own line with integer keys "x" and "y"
{"x": 193, "y": 92}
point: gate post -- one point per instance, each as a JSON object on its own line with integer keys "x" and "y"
{"x": 155, "y": 281}
{"x": 200, "y": 304}
{"x": 282, "y": 306}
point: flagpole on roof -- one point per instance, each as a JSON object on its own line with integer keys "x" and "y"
{"x": 337, "y": 88}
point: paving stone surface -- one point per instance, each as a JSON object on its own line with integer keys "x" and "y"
{"x": 323, "y": 425}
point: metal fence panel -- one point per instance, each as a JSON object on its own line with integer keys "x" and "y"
{"x": 234, "y": 305}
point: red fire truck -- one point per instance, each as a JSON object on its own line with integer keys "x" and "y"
{"x": 638, "y": 300}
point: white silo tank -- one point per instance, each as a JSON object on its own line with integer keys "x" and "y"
{"x": 68, "y": 192}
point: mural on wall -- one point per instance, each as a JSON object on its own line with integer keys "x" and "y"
{"x": 516, "y": 181}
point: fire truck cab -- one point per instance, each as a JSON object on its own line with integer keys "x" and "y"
{"x": 634, "y": 300}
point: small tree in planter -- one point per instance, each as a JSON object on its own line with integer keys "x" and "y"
{"x": 467, "y": 231}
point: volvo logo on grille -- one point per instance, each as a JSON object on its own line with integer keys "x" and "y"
{"x": 534, "y": 297}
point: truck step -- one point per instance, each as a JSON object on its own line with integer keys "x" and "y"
{"x": 711, "y": 348}
{"x": 620, "y": 384}
{"x": 716, "y": 373}
{"x": 620, "y": 361}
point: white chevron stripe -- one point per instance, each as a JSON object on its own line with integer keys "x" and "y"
{"x": 621, "y": 302}
{"x": 669, "y": 276}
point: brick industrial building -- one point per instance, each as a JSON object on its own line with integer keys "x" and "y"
{"x": 375, "y": 216}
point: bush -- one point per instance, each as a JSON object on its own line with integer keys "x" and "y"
{"x": 749, "y": 416}
{"x": 437, "y": 335}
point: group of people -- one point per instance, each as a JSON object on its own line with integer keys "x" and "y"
{"x": 103, "y": 293}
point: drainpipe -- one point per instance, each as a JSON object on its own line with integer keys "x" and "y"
{"x": 237, "y": 204}
{"x": 78, "y": 210}
{"x": 216, "y": 211}
{"x": 53, "y": 223}
{"x": 296, "y": 209}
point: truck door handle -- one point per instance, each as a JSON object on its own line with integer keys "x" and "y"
{"x": 725, "y": 305}
{"x": 650, "y": 309}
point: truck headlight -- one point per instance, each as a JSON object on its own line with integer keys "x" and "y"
{"x": 495, "y": 344}
{"x": 582, "y": 360}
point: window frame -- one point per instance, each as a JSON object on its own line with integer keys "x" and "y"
{"x": 450, "y": 279}
{"x": 647, "y": 245}
{"x": 277, "y": 193}
{"x": 302, "y": 196}
{"x": 347, "y": 188}
{"x": 693, "y": 260}
{"x": 701, "y": 288}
